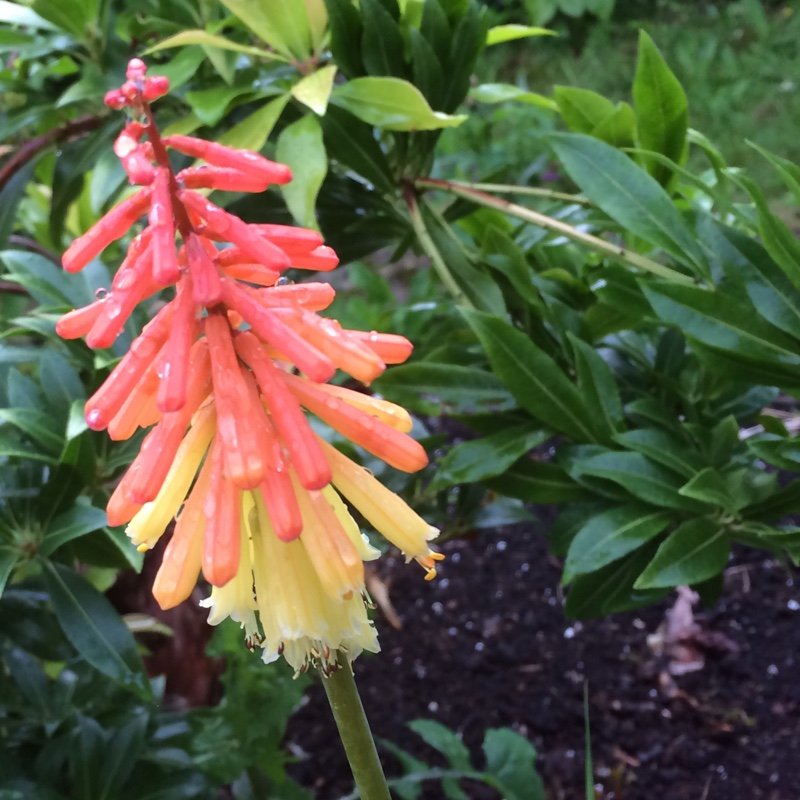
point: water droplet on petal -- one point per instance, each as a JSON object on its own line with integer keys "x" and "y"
{"x": 284, "y": 281}
{"x": 101, "y": 294}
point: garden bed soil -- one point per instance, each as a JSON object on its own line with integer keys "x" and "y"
{"x": 486, "y": 645}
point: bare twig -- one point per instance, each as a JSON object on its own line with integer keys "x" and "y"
{"x": 69, "y": 130}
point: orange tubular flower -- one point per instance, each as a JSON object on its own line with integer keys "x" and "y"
{"x": 259, "y": 498}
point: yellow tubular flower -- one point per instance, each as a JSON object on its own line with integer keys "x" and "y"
{"x": 365, "y": 550}
{"x": 150, "y": 522}
{"x": 388, "y": 513}
{"x": 299, "y": 618}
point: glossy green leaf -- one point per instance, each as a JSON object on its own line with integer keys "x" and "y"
{"x": 511, "y": 761}
{"x": 629, "y": 196}
{"x": 461, "y": 389}
{"x": 639, "y": 476}
{"x": 346, "y": 30}
{"x": 769, "y": 288}
{"x": 507, "y": 33}
{"x": 695, "y": 552}
{"x": 79, "y": 520}
{"x": 581, "y": 109}
{"x": 352, "y": 142}
{"x": 710, "y": 487}
{"x": 536, "y": 381}
{"x": 201, "y": 37}
{"x": 315, "y": 89}
{"x": 382, "y": 46}
{"x": 536, "y": 482}
{"x": 610, "y": 536}
{"x": 274, "y": 23}
{"x": 663, "y": 448}
{"x": 459, "y": 267}
{"x": 9, "y": 556}
{"x": 719, "y": 320}
{"x": 487, "y": 457}
{"x": 36, "y": 424}
{"x": 18, "y": 14}
{"x": 253, "y": 131}
{"x": 392, "y": 104}
{"x": 617, "y": 129}
{"x": 426, "y": 68}
{"x": 210, "y": 105}
{"x": 94, "y": 628}
{"x": 781, "y": 243}
{"x": 611, "y": 589}
{"x": 300, "y": 147}
{"x": 788, "y": 170}
{"x": 598, "y": 386}
{"x": 662, "y": 111}
{"x": 504, "y": 92}
{"x": 441, "y": 738}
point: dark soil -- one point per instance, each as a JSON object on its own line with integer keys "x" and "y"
{"x": 486, "y": 645}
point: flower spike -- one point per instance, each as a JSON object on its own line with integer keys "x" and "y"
{"x": 260, "y": 502}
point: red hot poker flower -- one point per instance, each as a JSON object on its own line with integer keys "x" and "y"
{"x": 230, "y": 441}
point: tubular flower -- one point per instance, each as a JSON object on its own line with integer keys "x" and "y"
{"x": 260, "y": 501}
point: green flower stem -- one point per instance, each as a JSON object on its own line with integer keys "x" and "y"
{"x": 429, "y": 246}
{"x": 355, "y": 734}
{"x": 529, "y": 191}
{"x": 636, "y": 260}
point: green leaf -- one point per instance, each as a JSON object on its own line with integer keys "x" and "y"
{"x": 392, "y": 104}
{"x": 315, "y": 89}
{"x": 598, "y": 386}
{"x": 426, "y": 68}
{"x": 709, "y": 486}
{"x": 535, "y": 380}
{"x": 639, "y": 476}
{"x": 81, "y": 519}
{"x": 201, "y": 37}
{"x": 503, "y": 92}
{"x": 617, "y": 129}
{"x": 610, "y": 589}
{"x": 441, "y": 738}
{"x": 503, "y": 254}
{"x": 351, "y": 141}
{"x": 346, "y": 30}
{"x": 663, "y": 448}
{"x": 10, "y": 197}
{"x": 718, "y": 320}
{"x": 210, "y": 105}
{"x": 470, "y": 280}
{"x": 17, "y": 14}
{"x": 581, "y": 109}
{"x": 662, "y": 111}
{"x": 695, "y": 552}
{"x": 769, "y": 288}
{"x": 629, "y": 196}
{"x": 610, "y": 536}
{"x": 278, "y": 23}
{"x": 382, "y": 43}
{"x": 487, "y": 457}
{"x": 94, "y": 628}
{"x": 511, "y": 761}
{"x": 300, "y": 147}
{"x": 252, "y": 132}
{"x": 536, "y": 482}
{"x": 9, "y": 557}
{"x": 789, "y": 172}
{"x": 781, "y": 243}
{"x": 36, "y": 424}
{"x": 507, "y": 33}
{"x": 461, "y": 389}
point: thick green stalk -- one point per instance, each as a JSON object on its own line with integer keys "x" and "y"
{"x": 636, "y": 260}
{"x": 359, "y": 746}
